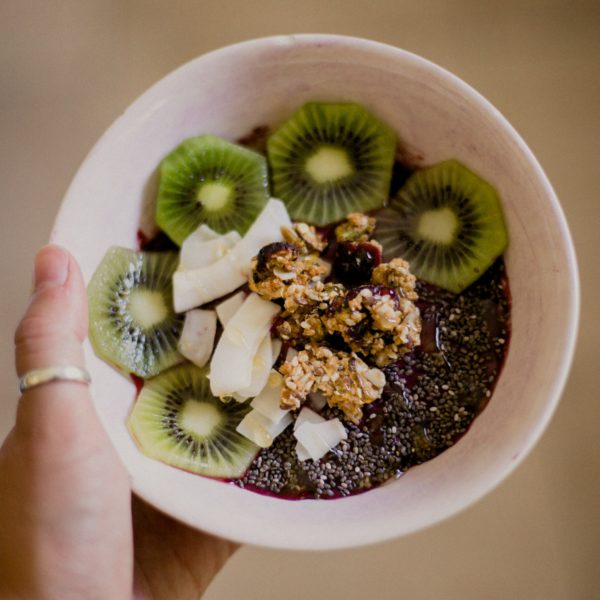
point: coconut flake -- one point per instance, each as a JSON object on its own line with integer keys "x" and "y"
{"x": 267, "y": 402}
{"x": 318, "y": 438}
{"x": 232, "y": 361}
{"x": 260, "y": 430}
{"x": 276, "y": 345}
{"x": 198, "y": 286}
{"x": 204, "y": 233}
{"x": 198, "y": 336}
{"x": 306, "y": 415}
{"x": 227, "y": 308}
{"x": 302, "y": 452}
{"x": 261, "y": 366}
{"x": 197, "y": 252}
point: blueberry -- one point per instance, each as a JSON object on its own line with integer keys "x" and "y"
{"x": 354, "y": 262}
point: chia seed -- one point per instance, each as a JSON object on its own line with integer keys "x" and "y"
{"x": 430, "y": 399}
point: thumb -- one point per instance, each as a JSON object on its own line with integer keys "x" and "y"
{"x": 51, "y": 334}
{"x": 53, "y": 328}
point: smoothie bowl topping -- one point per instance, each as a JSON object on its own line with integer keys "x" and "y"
{"x": 316, "y": 344}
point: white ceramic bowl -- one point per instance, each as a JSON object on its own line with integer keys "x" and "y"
{"x": 232, "y": 90}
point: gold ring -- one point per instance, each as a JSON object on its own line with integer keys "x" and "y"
{"x": 37, "y": 377}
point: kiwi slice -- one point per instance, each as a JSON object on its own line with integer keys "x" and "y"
{"x": 330, "y": 160}
{"x": 178, "y": 421}
{"x": 447, "y": 223}
{"x": 209, "y": 180}
{"x": 132, "y": 321}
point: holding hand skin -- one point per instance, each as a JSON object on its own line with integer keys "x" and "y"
{"x": 69, "y": 528}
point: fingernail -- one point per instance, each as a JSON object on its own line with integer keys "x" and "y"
{"x": 51, "y": 267}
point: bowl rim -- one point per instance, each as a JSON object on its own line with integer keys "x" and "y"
{"x": 361, "y": 536}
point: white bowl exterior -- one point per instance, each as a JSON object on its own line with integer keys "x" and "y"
{"x": 227, "y": 93}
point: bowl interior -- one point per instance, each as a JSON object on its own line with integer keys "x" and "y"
{"x": 233, "y": 90}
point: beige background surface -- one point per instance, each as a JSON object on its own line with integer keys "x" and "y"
{"x": 69, "y": 68}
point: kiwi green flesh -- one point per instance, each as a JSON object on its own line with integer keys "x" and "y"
{"x": 132, "y": 323}
{"x": 212, "y": 181}
{"x": 447, "y": 223}
{"x": 178, "y": 421}
{"x": 331, "y": 159}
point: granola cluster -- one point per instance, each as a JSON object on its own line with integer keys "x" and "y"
{"x": 304, "y": 237}
{"x": 346, "y": 380}
{"x": 305, "y": 307}
{"x": 377, "y": 321}
{"x": 280, "y": 266}
{"x": 396, "y": 275}
{"x": 357, "y": 227}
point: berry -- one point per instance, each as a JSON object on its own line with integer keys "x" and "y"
{"x": 354, "y": 262}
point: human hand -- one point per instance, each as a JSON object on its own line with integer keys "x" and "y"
{"x": 67, "y": 529}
